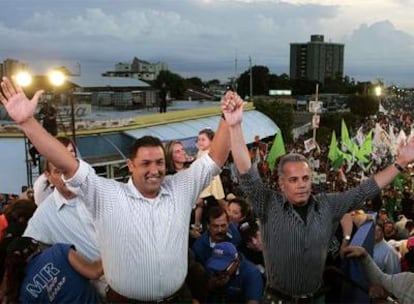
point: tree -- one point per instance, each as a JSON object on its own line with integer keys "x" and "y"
{"x": 363, "y": 105}
{"x": 174, "y": 83}
{"x": 260, "y": 82}
{"x": 282, "y": 114}
{"x": 194, "y": 83}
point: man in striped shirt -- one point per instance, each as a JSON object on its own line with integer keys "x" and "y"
{"x": 142, "y": 227}
{"x": 296, "y": 225}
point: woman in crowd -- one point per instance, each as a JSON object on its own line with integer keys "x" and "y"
{"x": 238, "y": 210}
{"x": 176, "y": 157}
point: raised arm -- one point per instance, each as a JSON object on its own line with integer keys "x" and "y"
{"x": 22, "y": 111}
{"x": 405, "y": 156}
{"x": 90, "y": 270}
{"x": 220, "y": 146}
{"x": 232, "y": 107}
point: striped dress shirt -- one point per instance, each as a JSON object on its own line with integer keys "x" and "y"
{"x": 143, "y": 242}
{"x": 58, "y": 220}
{"x": 295, "y": 251}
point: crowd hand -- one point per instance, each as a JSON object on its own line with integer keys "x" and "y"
{"x": 353, "y": 252}
{"x": 18, "y": 106}
{"x": 405, "y": 153}
{"x": 217, "y": 281}
{"x": 232, "y": 107}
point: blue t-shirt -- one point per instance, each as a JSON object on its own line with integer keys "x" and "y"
{"x": 51, "y": 279}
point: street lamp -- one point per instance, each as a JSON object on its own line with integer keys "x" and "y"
{"x": 378, "y": 91}
{"x": 58, "y": 78}
{"x": 23, "y": 79}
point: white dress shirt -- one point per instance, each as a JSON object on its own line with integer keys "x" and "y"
{"x": 144, "y": 243}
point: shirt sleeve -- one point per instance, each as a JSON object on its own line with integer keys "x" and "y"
{"x": 355, "y": 198}
{"x": 36, "y": 228}
{"x": 401, "y": 285}
{"x": 253, "y": 286}
{"x": 252, "y": 184}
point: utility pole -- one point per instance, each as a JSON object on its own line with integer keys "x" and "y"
{"x": 235, "y": 74}
{"x": 251, "y": 80}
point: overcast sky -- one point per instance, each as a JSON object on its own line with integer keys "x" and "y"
{"x": 204, "y": 37}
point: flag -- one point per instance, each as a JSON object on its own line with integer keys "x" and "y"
{"x": 335, "y": 154}
{"x": 381, "y": 138}
{"x": 346, "y": 142}
{"x": 365, "y": 150}
{"x": 277, "y": 150}
{"x": 360, "y": 136}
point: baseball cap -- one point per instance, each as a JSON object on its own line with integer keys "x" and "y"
{"x": 224, "y": 253}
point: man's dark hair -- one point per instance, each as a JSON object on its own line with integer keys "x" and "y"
{"x": 145, "y": 141}
{"x": 215, "y": 212}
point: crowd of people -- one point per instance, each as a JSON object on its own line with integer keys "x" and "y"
{"x": 218, "y": 227}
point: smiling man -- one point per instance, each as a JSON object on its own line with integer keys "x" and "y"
{"x": 142, "y": 226}
{"x": 296, "y": 225}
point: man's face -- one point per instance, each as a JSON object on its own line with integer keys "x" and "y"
{"x": 379, "y": 234}
{"x": 218, "y": 228}
{"x": 148, "y": 170}
{"x": 54, "y": 176}
{"x": 296, "y": 182}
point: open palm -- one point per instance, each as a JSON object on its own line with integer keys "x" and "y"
{"x": 18, "y": 106}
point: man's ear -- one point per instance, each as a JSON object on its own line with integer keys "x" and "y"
{"x": 47, "y": 174}
{"x": 280, "y": 182}
{"x": 130, "y": 165}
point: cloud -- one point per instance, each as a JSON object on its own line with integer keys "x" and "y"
{"x": 379, "y": 50}
{"x": 200, "y": 37}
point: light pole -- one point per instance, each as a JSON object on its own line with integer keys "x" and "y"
{"x": 24, "y": 79}
{"x": 57, "y": 79}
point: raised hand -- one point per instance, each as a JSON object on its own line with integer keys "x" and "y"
{"x": 18, "y": 106}
{"x": 232, "y": 107}
{"x": 405, "y": 152}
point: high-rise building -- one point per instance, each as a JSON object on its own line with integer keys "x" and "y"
{"x": 316, "y": 60}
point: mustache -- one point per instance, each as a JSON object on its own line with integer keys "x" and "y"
{"x": 221, "y": 234}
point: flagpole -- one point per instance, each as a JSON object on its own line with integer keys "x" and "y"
{"x": 315, "y": 113}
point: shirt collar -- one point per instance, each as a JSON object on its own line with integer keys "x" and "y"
{"x": 133, "y": 191}
{"x": 312, "y": 202}
{"x": 60, "y": 201}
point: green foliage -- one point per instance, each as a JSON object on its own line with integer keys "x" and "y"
{"x": 363, "y": 105}
{"x": 282, "y": 114}
{"x": 260, "y": 82}
{"x": 194, "y": 83}
{"x": 174, "y": 83}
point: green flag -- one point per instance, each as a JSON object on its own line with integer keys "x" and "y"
{"x": 365, "y": 149}
{"x": 346, "y": 142}
{"x": 277, "y": 150}
{"x": 335, "y": 154}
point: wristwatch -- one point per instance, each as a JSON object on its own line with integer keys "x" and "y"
{"x": 347, "y": 238}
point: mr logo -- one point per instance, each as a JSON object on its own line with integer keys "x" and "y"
{"x": 41, "y": 280}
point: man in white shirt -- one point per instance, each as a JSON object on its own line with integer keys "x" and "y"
{"x": 63, "y": 218}
{"x": 142, "y": 226}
